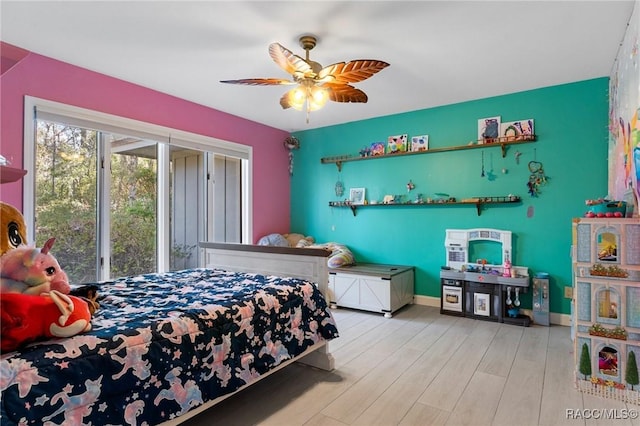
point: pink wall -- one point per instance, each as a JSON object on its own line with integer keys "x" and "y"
{"x": 47, "y": 78}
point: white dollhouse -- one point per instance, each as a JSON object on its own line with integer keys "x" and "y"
{"x": 606, "y": 310}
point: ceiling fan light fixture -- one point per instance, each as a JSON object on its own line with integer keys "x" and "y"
{"x": 318, "y": 98}
{"x": 316, "y": 84}
{"x": 297, "y": 97}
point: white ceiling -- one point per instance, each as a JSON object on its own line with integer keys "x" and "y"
{"x": 441, "y": 52}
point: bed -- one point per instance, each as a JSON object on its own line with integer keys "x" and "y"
{"x": 167, "y": 346}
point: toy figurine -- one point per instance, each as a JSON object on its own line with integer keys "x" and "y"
{"x": 506, "y": 272}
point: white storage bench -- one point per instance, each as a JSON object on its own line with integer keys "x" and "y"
{"x": 371, "y": 287}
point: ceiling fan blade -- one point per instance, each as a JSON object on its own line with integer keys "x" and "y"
{"x": 287, "y": 60}
{"x": 345, "y": 93}
{"x": 260, "y": 81}
{"x": 353, "y": 71}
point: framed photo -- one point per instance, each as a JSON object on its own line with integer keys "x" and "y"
{"x": 488, "y": 130}
{"x": 516, "y": 130}
{"x": 377, "y": 148}
{"x": 356, "y": 195}
{"x": 482, "y": 304}
{"x": 397, "y": 143}
{"x": 419, "y": 143}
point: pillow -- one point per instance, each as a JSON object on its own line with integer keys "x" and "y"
{"x": 273, "y": 240}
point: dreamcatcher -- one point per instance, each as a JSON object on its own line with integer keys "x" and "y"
{"x": 537, "y": 178}
{"x": 291, "y": 143}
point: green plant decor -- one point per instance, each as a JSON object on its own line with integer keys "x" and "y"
{"x": 585, "y": 361}
{"x": 631, "y": 373}
{"x": 613, "y": 333}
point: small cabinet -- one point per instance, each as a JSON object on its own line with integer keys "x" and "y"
{"x": 372, "y": 287}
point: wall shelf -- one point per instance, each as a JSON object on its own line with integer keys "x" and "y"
{"x": 502, "y": 142}
{"x": 478, "y": 202}
{"x": 11, "y": 174}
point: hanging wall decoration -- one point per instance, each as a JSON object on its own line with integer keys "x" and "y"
{"x": 291, "y": 143}
{"x": 339, "y": 187}
{"x": 537, "y": 178}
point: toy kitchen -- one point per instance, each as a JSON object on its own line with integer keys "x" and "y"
{"x": 481, "y": 289}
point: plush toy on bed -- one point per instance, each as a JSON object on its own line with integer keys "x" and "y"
{"x": 25, "y": 318}
{"x": 13, "y": 230}
{"x": 34, "y": 303}
{"x": 340, "y": 254}
{"x": 30, "y": 270}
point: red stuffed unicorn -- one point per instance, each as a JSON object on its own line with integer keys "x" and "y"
{"x": 25, "y": 317}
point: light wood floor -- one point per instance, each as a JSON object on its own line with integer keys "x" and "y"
{"x": 423, "y": 368}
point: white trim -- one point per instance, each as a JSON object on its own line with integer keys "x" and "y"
{"x": 426, "y": 300}
{"x": 152, "y": 131}
{"x": 29, "y": 164}
{"x": 163, "y": 207}
{"x": 103, "y": 216}
{"x": 247, "y": 200}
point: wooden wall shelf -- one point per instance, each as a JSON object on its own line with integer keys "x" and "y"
{"x": 478, "y": 203}
{"x": 11, "y": 174}
{"x": 502, "y": 143}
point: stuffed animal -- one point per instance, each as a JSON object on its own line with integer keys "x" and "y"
{"x": 13, "y": 230}
{"x": 25, "y": 318}
{"x": 88, "y": 293}
{"x": 298, "y": 240}
{"x": 31, "y": 270}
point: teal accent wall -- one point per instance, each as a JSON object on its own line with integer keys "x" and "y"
{"x": 571, "y": 127}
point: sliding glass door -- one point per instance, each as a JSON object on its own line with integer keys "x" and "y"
{"x": 124, "y": 197}
{"x": 66, "y": 197}
{"x": 133, "y": 202}
{"x": 104, "y": 196}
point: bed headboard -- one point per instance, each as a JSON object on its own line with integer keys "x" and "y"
{"x": 305, "y": 263}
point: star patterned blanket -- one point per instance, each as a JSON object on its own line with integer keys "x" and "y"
{"x": 162, "y": 344}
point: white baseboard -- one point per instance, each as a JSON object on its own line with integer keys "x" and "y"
{"x": 426, "y": 300}
{"x": 554, "y": 318}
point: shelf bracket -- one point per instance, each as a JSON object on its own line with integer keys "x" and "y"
{"x": 478, "y": 207}
{"x": 353, "y": 209}
{"x": 339, "y": 165}
{"x": 503, "y": 147}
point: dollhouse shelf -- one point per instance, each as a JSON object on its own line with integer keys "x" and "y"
{"x": 502, "y": 142}
{"x": 11, "y": 174}
{"x": 478, "y": 203}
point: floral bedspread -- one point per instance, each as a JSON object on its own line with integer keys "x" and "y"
{"x": 162, "y": 344}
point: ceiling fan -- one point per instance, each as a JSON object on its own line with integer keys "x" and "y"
{"x": 315, "y": 85}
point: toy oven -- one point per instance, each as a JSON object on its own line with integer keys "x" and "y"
{"x": 452, "y": 295}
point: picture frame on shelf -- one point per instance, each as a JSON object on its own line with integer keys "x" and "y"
{"x": 357, "y": 196}
{"x": 488, "y": 130}
{"x": 396, "y": 144}
{"x": 419, "y": 143}
{"x": 516, "y": 130}
{"x": 482, "y": 304}
{"x": 377, "y": 148}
